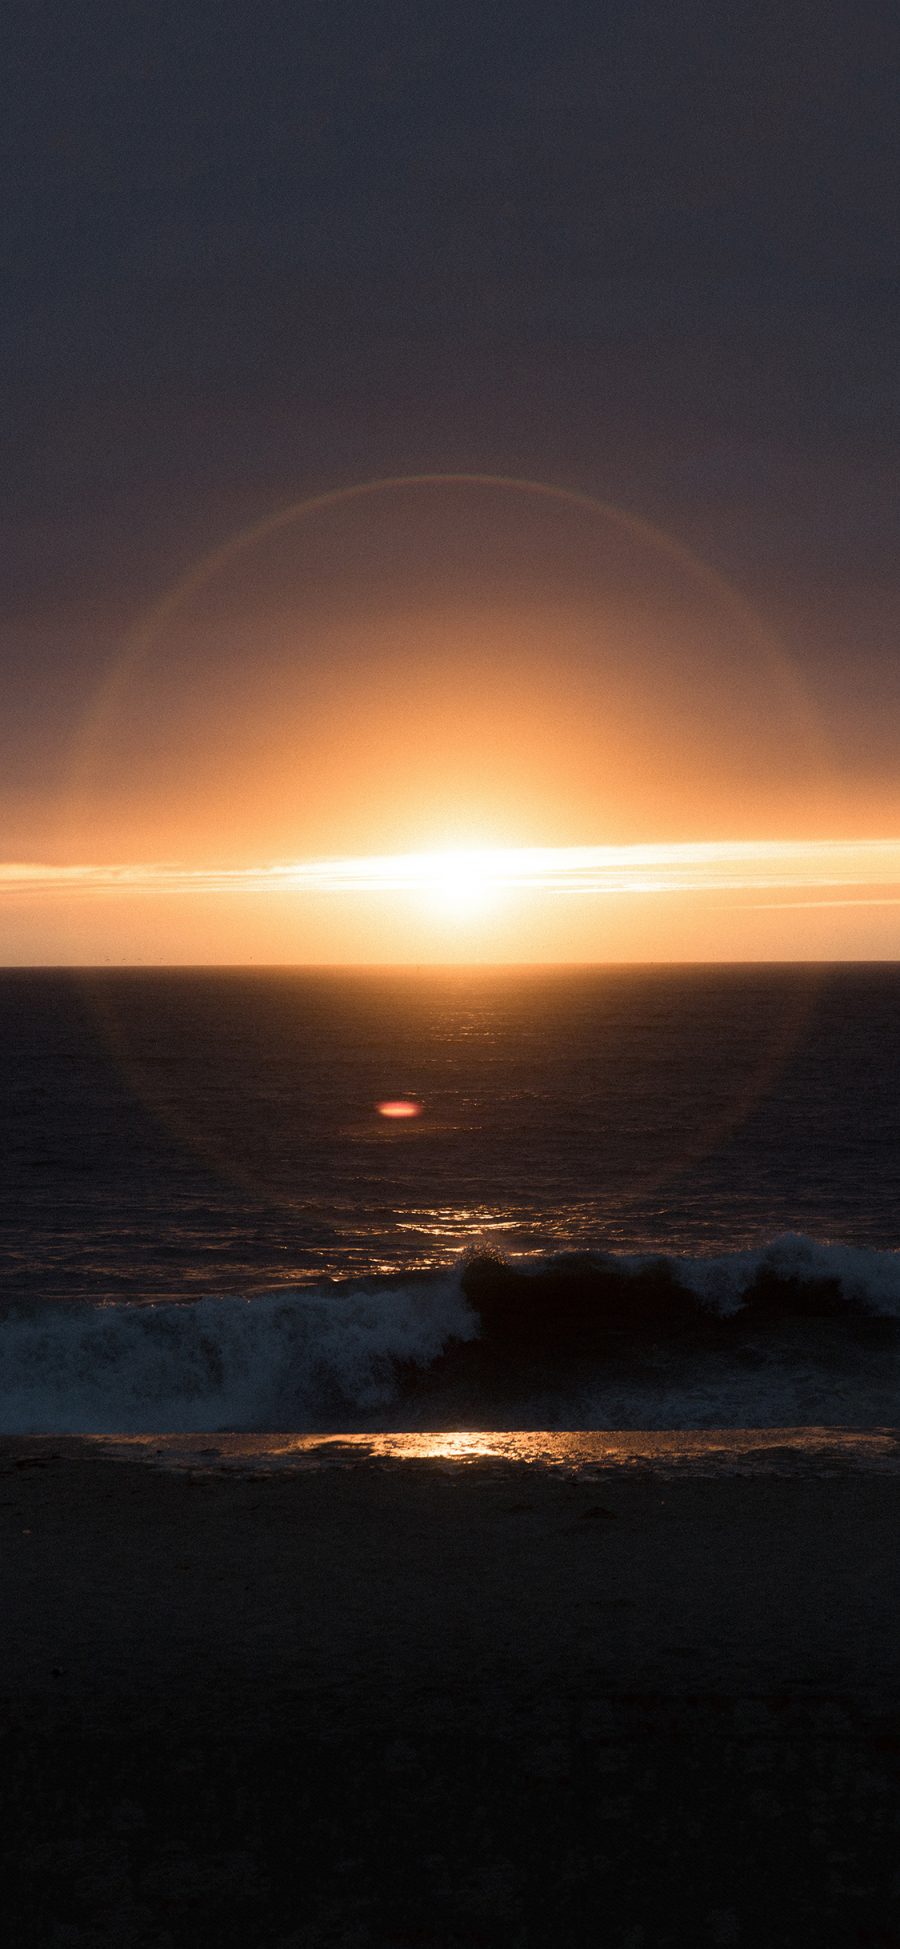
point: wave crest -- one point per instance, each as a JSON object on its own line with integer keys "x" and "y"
{"x": 292, "y": 1359}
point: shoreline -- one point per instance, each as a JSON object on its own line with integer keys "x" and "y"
{"x": 585, "y": 1453}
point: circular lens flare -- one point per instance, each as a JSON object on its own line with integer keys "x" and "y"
{"x": 459, "y": 884}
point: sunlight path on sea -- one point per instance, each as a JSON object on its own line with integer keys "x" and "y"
{"x": 733, "y": 1451}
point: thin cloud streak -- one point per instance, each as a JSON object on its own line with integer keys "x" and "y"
{"x": 791, "y": 906}
{"x": 684, "y": 867}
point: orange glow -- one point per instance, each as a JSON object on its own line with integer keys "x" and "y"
{"x": 400, "y": 1107}
{"x": 443, "y": 720}
{"x": 726, "y": 1451}
{"x": 706, "y": 900}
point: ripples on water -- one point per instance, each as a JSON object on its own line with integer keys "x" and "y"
{"x": 215, "y": 1137}
{"x": 179, "y": 1133}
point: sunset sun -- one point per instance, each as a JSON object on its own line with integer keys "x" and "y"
{"x": 458, "y": 884}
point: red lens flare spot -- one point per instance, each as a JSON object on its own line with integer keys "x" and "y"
{"x": 399, "y": 1106}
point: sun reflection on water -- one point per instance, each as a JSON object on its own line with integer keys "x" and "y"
{"x": 583, "y": 1453}
{"x": 457, "y": 1224}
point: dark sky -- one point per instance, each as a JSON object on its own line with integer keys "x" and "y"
{"x": 648, "y": 250}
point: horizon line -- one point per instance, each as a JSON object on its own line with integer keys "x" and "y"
{"x": 438, "y": 967}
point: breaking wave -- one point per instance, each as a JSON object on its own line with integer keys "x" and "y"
{"x": 791, "y": 1332}
{"x": 293, "y": 1359}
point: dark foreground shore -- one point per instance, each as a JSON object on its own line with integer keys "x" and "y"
{"x": 416, "y": 1705}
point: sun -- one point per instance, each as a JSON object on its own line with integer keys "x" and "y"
{"x": 457, "y": 883}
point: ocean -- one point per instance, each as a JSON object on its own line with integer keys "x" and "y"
{"x": 632, "y": 1198}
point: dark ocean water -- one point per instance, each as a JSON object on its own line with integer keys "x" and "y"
{"x": 212, "y": 1137}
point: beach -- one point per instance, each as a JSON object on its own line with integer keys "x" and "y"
{"x": 446, "y": 1703}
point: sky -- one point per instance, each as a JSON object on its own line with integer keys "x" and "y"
{"x": 641, "y": 257}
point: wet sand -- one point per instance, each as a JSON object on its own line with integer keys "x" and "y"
{"x": 414, "y": 1704}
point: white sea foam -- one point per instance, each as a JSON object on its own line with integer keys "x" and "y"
{"x": 866, "y": 1277}
{"x": 286, "y": 1359}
